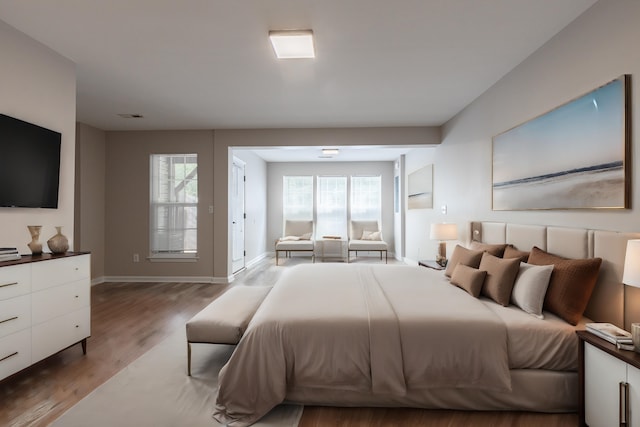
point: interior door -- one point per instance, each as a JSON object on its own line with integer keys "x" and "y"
{"x": 238, "y": 215}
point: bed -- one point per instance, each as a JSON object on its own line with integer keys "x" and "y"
{"x": 391, "y": 335}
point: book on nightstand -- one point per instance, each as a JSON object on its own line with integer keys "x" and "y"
{"x": 610, "y": 332}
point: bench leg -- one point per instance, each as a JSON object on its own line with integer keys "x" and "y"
{"x": 188, "y": 358}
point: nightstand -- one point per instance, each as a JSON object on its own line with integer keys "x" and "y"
{"x": 609, "y": 381}
{"x": 431, "y": 264}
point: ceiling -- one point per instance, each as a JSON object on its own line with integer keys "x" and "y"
{"x": 208, "y": 64}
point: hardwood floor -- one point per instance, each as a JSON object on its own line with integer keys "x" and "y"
{"x": 128, "y": 319}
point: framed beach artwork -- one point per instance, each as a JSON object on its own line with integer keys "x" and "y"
{"x": 573, "y": 157}
{"x": 420, "y": 188}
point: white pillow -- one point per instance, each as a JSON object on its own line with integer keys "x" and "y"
{"x": 306, "y": 236}
{"x": 288, "y": 238}
{"x": 531, "y": 287}
{"x": 371, "y": 235}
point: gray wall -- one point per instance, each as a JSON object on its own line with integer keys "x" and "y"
{"x": 597, "y": 47}
{"x": 90, "y": 190}
{"x": 127, "y": 204}
{"x": 39, "y": 86}
{"x": 276, "y": 171}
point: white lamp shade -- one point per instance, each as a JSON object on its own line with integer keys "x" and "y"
{"x": 443, "y": 232}
{"x": 631, "y": 275}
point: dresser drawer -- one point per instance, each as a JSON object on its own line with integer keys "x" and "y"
{"x": 15, "y": 352}
{"x": 55, "y": 272}
{"x": 15, "y": 315}
{"x": 15, "y": 280}
{"x": 54, "y": 302}
{"x": 59, "y": 333}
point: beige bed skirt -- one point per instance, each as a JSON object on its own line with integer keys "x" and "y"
{"x": 532, "y": 390}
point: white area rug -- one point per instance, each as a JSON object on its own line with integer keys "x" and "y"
{"x": 155, "y": 391}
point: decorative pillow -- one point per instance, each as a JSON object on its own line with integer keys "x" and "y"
{"x": 371, "y": 235}
{"x": 501, "y": 274}
{"x": 495, "y": 250}
{"x": 287, "y": 238}
{"x": 463, "y": 256}
{"x": 306, "y": 236}
{"x": 531, "y": 287}
{"x": 572, "y": 282}
{"x": 511, "y": 252}
{"x": 468, "y": 278}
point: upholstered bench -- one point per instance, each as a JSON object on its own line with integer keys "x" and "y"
{"x": 226, "y": 318}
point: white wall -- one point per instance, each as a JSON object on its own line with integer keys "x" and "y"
{"x": 597, "y": 47}
{"x": 255, "y": 231}
{"x": 276, "y": 171}
{"x": 38, "y": 85}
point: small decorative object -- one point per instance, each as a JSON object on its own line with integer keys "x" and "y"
{"x": 59, "y": 243}
{"x": 34, "y": 244}
{"x": 635, "y": 336}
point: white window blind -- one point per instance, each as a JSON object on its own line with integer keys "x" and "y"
{"x": 366, "y": 198}
{"x": 174, "y": 205}
{"x": 332, "y": 206}
{"x": 298, "y": 198}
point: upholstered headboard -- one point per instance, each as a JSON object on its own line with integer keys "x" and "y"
{"x": 610, "y": 301}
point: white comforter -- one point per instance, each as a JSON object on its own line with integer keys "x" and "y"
{"x": 382, "y": 330}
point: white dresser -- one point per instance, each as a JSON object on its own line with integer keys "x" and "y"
{"x": 45, "y": 307}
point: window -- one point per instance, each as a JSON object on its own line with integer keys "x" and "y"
{"x": 297, "y": 198}
{"x": 174, "y": 206}
{"x": 366, "y": 198}
{"x": 332, "y": 206}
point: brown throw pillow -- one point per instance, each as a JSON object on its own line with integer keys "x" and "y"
{"x": 463, "y": 256}
{"x": 495, "y": 250}
{"x": 501, "y": 275}
{"x": 468, "y": 278}
{"x": 571, "y": 285}
{"x": 511, "y": 252}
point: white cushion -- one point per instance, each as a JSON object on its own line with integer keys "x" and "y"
{"x": 367, "y": 245}
{"x": 371, "y": 235}
{"x": 298, "y": 228}
{"x": 530, "y": 287}
{"x": 226, "y": 318}
{"x": 294, "y": 245}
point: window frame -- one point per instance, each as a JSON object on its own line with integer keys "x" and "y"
{"x": 168, "y": 255}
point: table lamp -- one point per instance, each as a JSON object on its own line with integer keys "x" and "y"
{"x": 631, "y": 277}
{"x": 442, "y": 233}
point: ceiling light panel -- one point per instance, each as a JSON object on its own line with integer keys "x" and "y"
{"x": 292, "y": 44}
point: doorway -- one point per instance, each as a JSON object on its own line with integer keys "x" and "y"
{"x": 238, "y": 215}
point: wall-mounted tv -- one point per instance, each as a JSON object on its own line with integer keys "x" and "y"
{"x": 29, "y": 164}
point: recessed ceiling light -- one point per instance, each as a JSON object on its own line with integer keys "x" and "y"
{"x": 131, "y": 116}
{"x": 292, "y": 44}
{"x": 330, "y": 151}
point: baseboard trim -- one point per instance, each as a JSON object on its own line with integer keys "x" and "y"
{"x": 97, "y": 280}
{"x": 169, "y": 279}
{"x": 256, "y": 260}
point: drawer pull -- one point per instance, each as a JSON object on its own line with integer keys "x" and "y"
{"x": 77, "y": 296}
{"x": 8, "y": 284}
{"x": 9, "y": 319}
{"x": 77, "y": 326}
{"x": 11, "y": 355}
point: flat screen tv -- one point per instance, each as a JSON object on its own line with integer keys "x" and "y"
{"x": 29, "y": 164}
